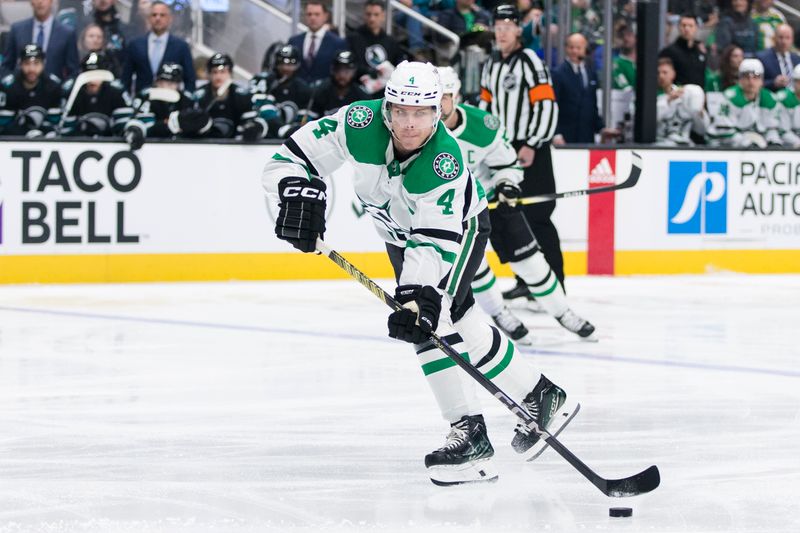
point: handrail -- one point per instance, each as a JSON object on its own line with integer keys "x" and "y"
{"x": 266, "y": 6}
{"x": 787, "y": 8}
{"x": 438, "y": 28}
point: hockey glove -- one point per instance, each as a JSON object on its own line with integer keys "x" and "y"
{"x": 507, "y": 193}
{"x": 135, "y": 138}
{"x": 419, "y": 316}
{"x": 189, "y": 121}
{"x": 253, "y": 130}
{"x": 301, "y": 218}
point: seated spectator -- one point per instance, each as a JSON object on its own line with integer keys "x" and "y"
{"x": 115, "y": 32}
{"x": 57, "y": 40}
{"x": 30, "y": 100}
{"x": 99, "y": 107}
{"x": 92, "y": 39}
{"x": 412, "y": 26}
{"x": 575, "y": 85}
{"x": 154, "y": 106}
{"x": 291, "y": 93}
{"x": 779, "y": 61}
{"x": 464, "y": 17}
{"x": 376, "y": 53}
{"x": 341, "y": 89}
{"x": 767, "y": 20}
{"x": 624, "y": 65}
{"x": 318, "y": 46}
{"x": 728, "y": 73}
{"x": 230, "y": 110}
{"x": 789, "y": 98}
{"x": 146, "y": 53}
{"x": 737, "y": 27}
{"x": 679, "y": 110}
{"x": 687, "y": 54}
{"x": 745, "y": 115}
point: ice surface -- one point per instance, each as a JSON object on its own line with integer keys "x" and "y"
{"x": 283, "y": 406}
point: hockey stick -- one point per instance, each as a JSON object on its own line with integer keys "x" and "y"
{"x": 630, "y": 181}
{"x": 640, "y": 483}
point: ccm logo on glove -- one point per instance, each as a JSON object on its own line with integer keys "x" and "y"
{"x": 310, "y": 193}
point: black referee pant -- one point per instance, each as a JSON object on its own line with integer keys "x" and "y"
{"x": 539, "y": 179}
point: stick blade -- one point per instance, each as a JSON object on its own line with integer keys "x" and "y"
{"x": 636, "y": 171}
{"x": 641, "y": 483}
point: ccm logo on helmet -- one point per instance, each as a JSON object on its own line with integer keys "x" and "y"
{"x": 304, "y": 192}
{"x": 411, "y": 93}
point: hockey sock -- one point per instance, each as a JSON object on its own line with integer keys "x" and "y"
{"x": 486, "y": 292}
{"x": 454, "y": 390}
{"x": 496, "y": 356}
{"x": 543, "y": 283}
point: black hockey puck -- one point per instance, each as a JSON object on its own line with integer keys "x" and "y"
{"x": 620, "y": 512}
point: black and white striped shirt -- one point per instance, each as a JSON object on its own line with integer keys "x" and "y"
{"x": 519, "y": 90}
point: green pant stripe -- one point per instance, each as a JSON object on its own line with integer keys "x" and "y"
{"x": 491, "y": 374}
{"x": 465, "y": 253}
{"x": 441, "y": 364}
{"x": 486, "y": 286}
{"x": 548, "y": 290}
{"x": 448, "y": 257}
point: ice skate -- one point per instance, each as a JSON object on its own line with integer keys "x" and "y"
{"x": 577, "y": 325}
{"x": 547, "y": 404}
{"x": 466, "y": 455}
{"x": 513, "y": 327}
{"x": 520, "y": 297}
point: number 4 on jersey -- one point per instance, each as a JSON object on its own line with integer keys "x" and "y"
{"x": 446, "y": 201}
{"x": 326, "y": 126}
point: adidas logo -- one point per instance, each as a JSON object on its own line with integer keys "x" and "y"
{"x": 602, "y": 173}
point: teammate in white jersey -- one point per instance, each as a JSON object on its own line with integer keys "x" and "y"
{"x": 409, "y": 175}
{"x": 493, "y": 161}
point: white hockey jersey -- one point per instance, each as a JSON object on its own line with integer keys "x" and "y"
{"x": 789, "y": 116}
{"x": 427, "y": 204}
{"x": 736, "y": 121}
{"x": 677, "y": 117}
{"x": 485, "y": 148}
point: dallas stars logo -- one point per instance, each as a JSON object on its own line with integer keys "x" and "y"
{"x": 359, "y": 117}
{"x": 491, "y": 122}
{"x": 446, "y": 166}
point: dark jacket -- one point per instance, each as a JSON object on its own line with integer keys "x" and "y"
{"x": 138, "y": 63}
{"x": 323, "y": 58}
{"x": 454, "y": 21}
{"x": 371, "y": 50}
{"x": 578, "y": 118}
{"x": 772, "y": 68}
{"x": 62, "y": 49}
{"x": 690, "y": 63}
{"x": 739, "y": 29}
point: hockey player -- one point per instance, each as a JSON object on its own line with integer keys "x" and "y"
{"x": 158, "y": 109}
{"x": 493, "y": 162}
{"x": 679, "y": 109}
{"x": 340, "y": 89}
{"x": 789, "y": 98}
{"x": 291, "y": 93}
{"x": 234, "y": 109}
{"x": 30, "y": 100}
{"x": 100, "y": 108}
{"x": 746, "y": 114}
{"x": 409, "y": 174}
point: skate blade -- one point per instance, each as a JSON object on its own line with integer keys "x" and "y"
{"x": 590, "y": 338}
{"x": 563, "y": 417}
{"x": 473, "y": 472}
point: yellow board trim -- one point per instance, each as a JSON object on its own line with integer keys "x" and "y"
{"x": 289, "y": 266}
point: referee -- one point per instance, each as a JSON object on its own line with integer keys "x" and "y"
{"x": 516, "y": 87}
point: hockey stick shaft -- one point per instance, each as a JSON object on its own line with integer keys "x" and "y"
{"x": 638, "y": 484}
{"x": 630, "y": 181}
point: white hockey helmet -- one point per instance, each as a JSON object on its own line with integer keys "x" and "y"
{"x": 416, "y": 84}
{"x": 450, "y": 82}
{"x": 694, "y": 98}
{"x": 751, "y": 66}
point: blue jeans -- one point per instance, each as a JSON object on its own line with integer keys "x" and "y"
{"x": 413, "y": 28}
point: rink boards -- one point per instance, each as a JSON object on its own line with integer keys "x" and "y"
{"x": 95, "y": 212}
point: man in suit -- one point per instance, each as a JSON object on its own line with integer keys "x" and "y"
{"x": 576, "y": 93}
{"x": 779, "y": 61}
{"x": 148, "y": 52}
{"x": 58, "y": 42}
{"x": 318, "y": 45}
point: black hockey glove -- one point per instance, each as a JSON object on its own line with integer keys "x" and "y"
{"x": 302, "y": 212}
{"x": 252, "y": 131}
{"x": 135, "y": 138}
{"x": 507, "y": 193}
{"x": 415, "y": 326}
{"x": 193, "y": 121}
